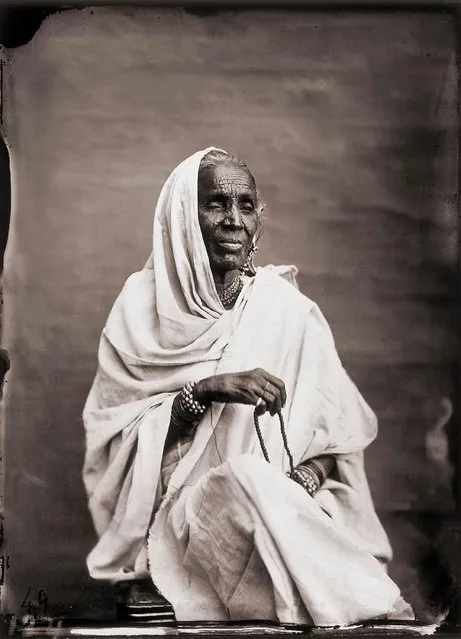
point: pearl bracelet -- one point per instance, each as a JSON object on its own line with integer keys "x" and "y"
{"x": 307, "y": 479}
{"x": 188, "y": 404}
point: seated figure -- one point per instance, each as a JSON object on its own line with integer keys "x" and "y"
{"x": 224, "y": 439}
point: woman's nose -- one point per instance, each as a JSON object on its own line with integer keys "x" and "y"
{"x": 233, "y": 216}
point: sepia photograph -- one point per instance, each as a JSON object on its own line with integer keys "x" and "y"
{"x": 230, "y": 321}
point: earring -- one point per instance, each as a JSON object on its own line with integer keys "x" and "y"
{"x": 248, "y": 268}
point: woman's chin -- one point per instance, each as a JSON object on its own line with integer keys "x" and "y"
{"x": 227, "y": 262}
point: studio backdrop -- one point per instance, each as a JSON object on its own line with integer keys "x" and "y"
{"x": 348, "y": 121}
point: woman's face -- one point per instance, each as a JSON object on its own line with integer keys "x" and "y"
{"x": 227, "y": 214}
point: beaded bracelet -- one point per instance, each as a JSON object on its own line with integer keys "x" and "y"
{"x": 188, "y": 403}
{"x": 305, "y": 477}
{"x": 186, "y": 411}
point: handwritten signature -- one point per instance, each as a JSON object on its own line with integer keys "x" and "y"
{"x": 35, "y": 607}
{"x": 38, "y": 605}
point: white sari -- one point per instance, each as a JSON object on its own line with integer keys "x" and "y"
{"x": 233, "y": 537}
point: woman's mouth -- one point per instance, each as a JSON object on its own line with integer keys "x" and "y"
{"x": 233, "y": 246}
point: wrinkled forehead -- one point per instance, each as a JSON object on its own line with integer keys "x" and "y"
{"x": 225, "y": 178}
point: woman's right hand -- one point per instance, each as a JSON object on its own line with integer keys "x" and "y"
{"x": 246, "y": 387}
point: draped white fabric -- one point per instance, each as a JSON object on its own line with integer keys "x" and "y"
{"x": 167, "y": 327}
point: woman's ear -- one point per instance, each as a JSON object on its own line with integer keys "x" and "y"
{"x": 259, "y": 231}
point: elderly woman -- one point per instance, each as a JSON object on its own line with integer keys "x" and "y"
{"x": 198, "y": 351}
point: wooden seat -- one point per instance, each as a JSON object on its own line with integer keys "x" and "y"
{"x": 139, "y": 601}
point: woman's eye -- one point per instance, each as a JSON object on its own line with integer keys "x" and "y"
{"x": 248, "y": 208}
{"x": 214, "y": 205}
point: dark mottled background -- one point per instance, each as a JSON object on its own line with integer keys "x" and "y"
{"x": 349, "y": 123}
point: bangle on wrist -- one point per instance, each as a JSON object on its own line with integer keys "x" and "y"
{"x": 186, "y": 412}
{"x": 318, "y": 469}
{"x": 307, "y": 479}
{"x": 314, "y": 467}
{"x": 183, "y": 421}
{"x": 188, "y": 403}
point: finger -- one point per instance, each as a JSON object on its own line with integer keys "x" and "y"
{"x": 279, "y": 384}
{"x": 273, "y": 398}
{"x": 269, "y": 399}
{"x": 261, "y": 407}
{"x": 258, "y": 392}
{"x": 277, "y": 403}
{"x": 283, "y": 394}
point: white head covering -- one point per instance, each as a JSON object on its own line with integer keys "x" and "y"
{"x": 170, "y": 313}
{"x": 179, "y": 257}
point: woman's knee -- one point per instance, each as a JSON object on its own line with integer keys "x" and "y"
{"x": 226, "y": 480}
{"x": 226, "y": 483}
{"x": 243, "y": 465}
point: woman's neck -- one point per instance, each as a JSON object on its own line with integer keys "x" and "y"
{"x": 223, "y": 279}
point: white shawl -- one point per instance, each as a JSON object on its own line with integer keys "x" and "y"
{"x": 168, "y": 327}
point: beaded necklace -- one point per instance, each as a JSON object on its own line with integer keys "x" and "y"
{"x": 230, "y": 294}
